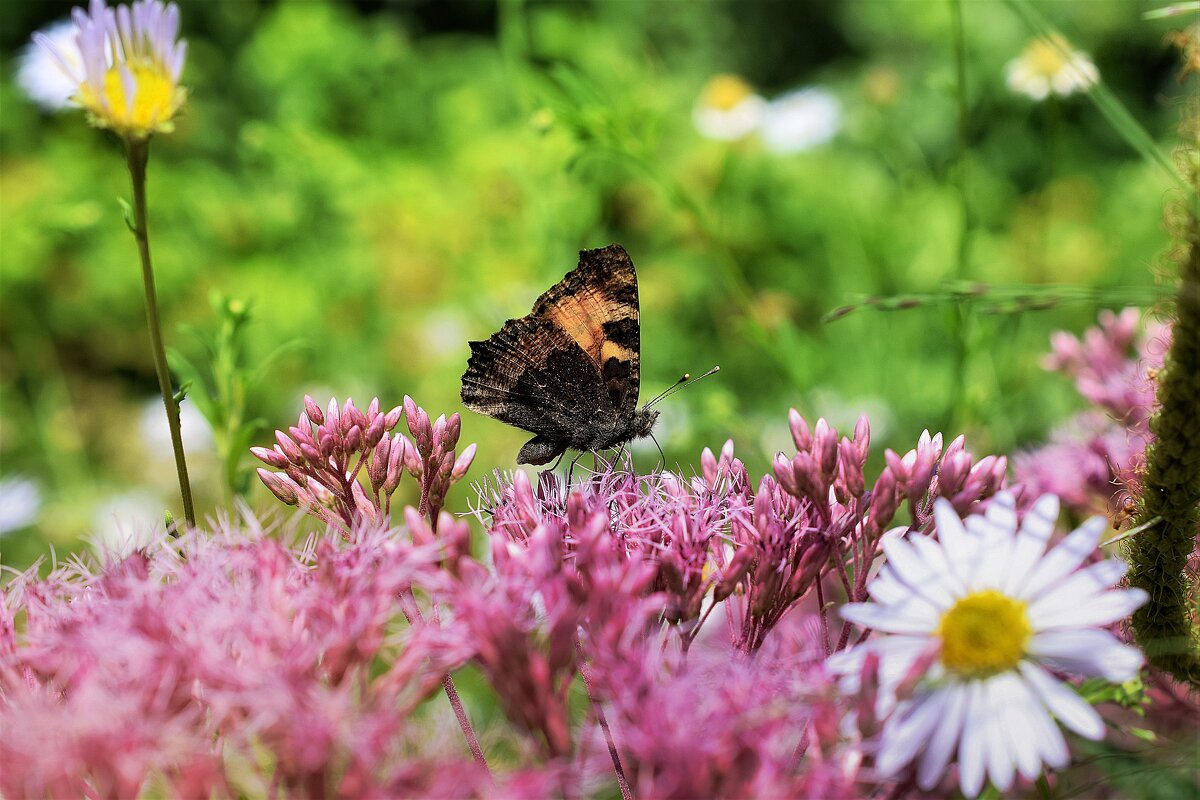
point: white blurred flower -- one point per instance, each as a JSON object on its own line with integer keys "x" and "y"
{"x": 156, "y": 433}
{"x": 127, "y": 522}
{"x": 39, "y": 73}
{"x": 1001, "y": 613}
{"x": 1049, "y": 65}
{"x": 801, "y": 120}
{"x": 728, "y": 109}
{"x": 20, "y": 502}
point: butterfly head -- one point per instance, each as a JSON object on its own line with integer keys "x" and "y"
{"x": 643, "y": 422}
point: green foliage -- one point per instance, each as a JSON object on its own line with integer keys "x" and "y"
{"x": 220, "y": 381}
{"x": 386, "y": 184}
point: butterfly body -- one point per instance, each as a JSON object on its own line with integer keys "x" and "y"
{"x": 569, "y": 372}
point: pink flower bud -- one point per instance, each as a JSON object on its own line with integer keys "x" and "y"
{"x": 783, "y": 473}
{"x": 463, "y": 463}
{"x": 825, "y": 449}
{"x": 372, "y": 409}
{"x": 363, "y": 505}
{"x": 313, "y": 410}
{"x": 708, "y": 466}
{"x": 333, "y": 419}
{"x": 850, "y": 468}
{"x": 418, "y": 528}
{"x": 311, "y": 454}
{"x": 274, "y": 457}
{"x": 328, "y": 444}
{"x": 374, "y": 431}
{"x": 868, "y": 696}
{"x": 392, "y": 418}
{"x": 280, "y": 485}
{"x": 354, "y": 438}
{"x": 734, "y": 572}
{"x": 412, "y": 458}
{"x": 377, "y": 470}
{"x": 395, "y": 463}
{"x": 289, "y": 448}
{"x": 885, "y": 499}
{"x": 799, "y": 428}
{"x": 351, "y": 416}
{"x": 862, "y": 435}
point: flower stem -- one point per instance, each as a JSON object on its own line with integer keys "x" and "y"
{"x": 613, "y": 753}
{"x": 137, "y": 155}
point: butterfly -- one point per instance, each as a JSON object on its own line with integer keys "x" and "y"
{"x": 569, "y": 372}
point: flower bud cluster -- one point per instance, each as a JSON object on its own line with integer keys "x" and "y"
{"x": 432, "y": 459}
{"x": 321, "y": 457}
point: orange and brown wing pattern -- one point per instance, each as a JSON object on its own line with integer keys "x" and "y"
{"x": 596, "y": 305}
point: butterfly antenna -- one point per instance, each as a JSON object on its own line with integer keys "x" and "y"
{"x": 686, "y": 380}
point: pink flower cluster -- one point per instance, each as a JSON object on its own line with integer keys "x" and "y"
{"x": 233, "y": 662}
{"x": 1092, "y": 462}
{"x": 225, "y": 662}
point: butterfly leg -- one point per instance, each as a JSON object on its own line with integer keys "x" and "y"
{"x": 571, "y": 469}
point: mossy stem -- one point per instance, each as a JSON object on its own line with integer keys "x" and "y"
{"x": 137, "y": 153}
{"x": 1171, "y": 489}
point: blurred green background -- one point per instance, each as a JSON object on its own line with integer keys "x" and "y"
{"x": 382, "y": 181}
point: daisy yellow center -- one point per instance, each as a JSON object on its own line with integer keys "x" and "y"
{"x": 984, "y": 633}
{"x": 724, "y": 92}
{"x": 155, "y": 99}
{"x": 1046, "y": 57}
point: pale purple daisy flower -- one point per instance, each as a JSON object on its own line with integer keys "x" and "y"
{"x": 124, "y": 66}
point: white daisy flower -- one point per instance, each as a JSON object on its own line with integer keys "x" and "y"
{"x": 1002, "y": 614}
{"x": 123, "y": 65}
{"x": 1049, "y": 66}
{"x": 801, "y": 120}
{"x": 728, "y": 109}
{"x": 20, "y": 502}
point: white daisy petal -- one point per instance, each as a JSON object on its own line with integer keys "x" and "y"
{"x": 933, "y": 553}
{"x": 972, "y": 748}
{"x": 1035, "y": 533}
{"x": 903, "y": 738}
{"x": 886, "y": 588}
{"x": 1078, "y": 589}
{"x": 1098, "y": 610}
{"x": 914, "y": 615}
{"x": 941, "y": 745}
{"x": 1021, "y": 705}
{"x": 1064, "y": 558}
{"x": 1070, "y": 709}
{"x": 997, "y": 692}
{"x": 951, "y": 533}
{"x": 917, "y": 573}
{"x": 1087, "y": 652}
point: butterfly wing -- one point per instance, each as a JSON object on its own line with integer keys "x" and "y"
{"x": 532, "y": 375}
{"x": 570, "y": 367}
{"x": 596, "y": 304}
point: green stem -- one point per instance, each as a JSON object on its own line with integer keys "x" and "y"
{"x": 960, "y": 311}
{"x": 138, "y": 154}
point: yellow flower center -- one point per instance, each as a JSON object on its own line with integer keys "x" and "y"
{"x": 1047, "y": 57}
{"x": 984, "y": 633}
{"x": 724, "y": 92}
{"x": 156, "y": 98}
